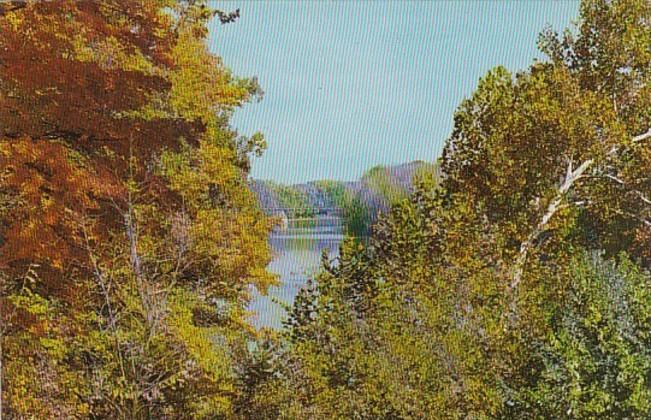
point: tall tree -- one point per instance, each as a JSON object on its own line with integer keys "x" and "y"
{"x": 128, "y": 238}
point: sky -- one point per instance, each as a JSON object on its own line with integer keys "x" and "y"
{"x": 350, "y": 85}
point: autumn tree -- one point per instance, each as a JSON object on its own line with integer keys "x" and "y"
{"x": 477, "y": 297}
{"x": 128, "y": 238}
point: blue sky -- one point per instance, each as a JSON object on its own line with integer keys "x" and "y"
{"x": 349, "y": 85}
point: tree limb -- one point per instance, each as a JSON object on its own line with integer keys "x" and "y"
{"x": 640, "y": 195}
{"x": 570, "y": 179}
{"x": 642, "y": 137}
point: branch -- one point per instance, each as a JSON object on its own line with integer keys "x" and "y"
{"x": 643, "y": 220}
{"x": 99, "y": 276}
{"x": 614, "y": 178}
{"x": 640, "y": 195}
{"x": 570, "y": 179}
{"x": 642, "y": 137}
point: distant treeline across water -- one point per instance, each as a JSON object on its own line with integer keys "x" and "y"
{"x": 358, "y": 203}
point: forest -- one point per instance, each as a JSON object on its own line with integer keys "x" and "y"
{"x": 512, "y": 282}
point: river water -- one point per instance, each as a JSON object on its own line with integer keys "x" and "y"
{"x": 296, "y": 255}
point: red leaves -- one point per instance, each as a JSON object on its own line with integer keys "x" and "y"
{"x": 72, "y": 104}
{"x": 68, "y": 73}
{"x": 55, "y": 190}
{"x": 48, "y": 89}
{"x": 63, "y": 95}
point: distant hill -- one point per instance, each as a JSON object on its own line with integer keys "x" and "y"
{"x": 360, "y": 201}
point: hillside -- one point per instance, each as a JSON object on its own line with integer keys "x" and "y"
{"x": 360, "y": 201}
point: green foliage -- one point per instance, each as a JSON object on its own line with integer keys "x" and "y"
{"x": 357, "y": 216}
{"x": 292, "y": 198}
{"x": 427, "y": 172}
{"x": 380, "y": 181}
{"x": 596, "y": 362}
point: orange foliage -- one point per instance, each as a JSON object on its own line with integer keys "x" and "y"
{"x": 68, "y": 71}
{"x": 52, "y": 194}
{"x": 114, "y": 142}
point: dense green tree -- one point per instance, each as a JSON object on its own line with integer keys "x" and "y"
{"x": 356, "y": 214}
{"x": 597, "y": 359}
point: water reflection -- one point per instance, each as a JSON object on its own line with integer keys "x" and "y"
{"x": 296, "y": 257}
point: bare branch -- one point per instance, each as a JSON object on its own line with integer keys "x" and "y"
{"x": 640, "y": 195}
{"x": 642, "y": 137}
{"x": 99, "y": 276}
{"x": 554, "y": 205}
{"x": 572, "y": 175}
{"x": 614, "y": 178}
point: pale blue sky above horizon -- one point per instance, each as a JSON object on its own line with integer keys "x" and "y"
{"x": 350, "y": 85}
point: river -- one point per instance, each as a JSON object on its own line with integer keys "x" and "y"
{"x": 296, "y": 252}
